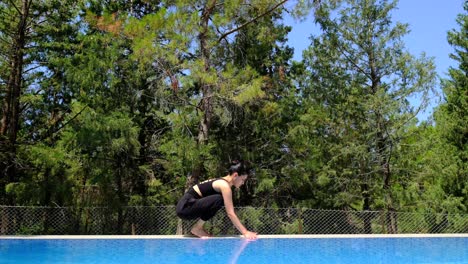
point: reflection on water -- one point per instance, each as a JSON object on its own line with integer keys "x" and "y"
{"x": 238, "y": 250}
{"x": 229, "y": 249}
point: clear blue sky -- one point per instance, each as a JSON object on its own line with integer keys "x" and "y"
{"x": 429, "y": 21}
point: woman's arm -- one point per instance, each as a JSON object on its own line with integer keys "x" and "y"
{"x": 227, "y": 197}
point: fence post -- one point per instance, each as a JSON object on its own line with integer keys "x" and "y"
{"x": 3, "y": 221}
{"x": 300, "y": 229}
{"x": 180, "y": 227}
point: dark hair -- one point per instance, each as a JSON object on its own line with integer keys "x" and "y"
{"x": 239, "y": 166}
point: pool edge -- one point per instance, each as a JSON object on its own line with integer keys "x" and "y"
{"x": 233, "y": 237}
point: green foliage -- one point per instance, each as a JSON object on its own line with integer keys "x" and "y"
{"x": 291, "y": 228}
{"x": 38, "y": 52}
{"x": 251, "y": 217}
{"x": 448, "y": 173}
{"x": 20, "y": 190}
{"x": 34, "y": 230}
{"x": 356, "y": 87}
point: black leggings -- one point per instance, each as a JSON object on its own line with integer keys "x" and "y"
{"x": 191, "y": 207}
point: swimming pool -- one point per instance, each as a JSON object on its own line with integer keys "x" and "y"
{"x": 266, "y": 249}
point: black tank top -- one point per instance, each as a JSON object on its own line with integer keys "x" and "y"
{"x": 206, "y": 187}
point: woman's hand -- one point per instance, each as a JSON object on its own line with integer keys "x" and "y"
{"x": 250, "y": 235}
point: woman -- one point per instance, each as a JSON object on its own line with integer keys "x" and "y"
{"x": 205, "y": 199}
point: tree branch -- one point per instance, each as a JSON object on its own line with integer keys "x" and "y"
{"x": 50, "y": 133}
{"x": 251, "y": 21}
{"x": 32, "y": 68}
{"x": 17, "y": 9}
{"x": 344, "y": 52}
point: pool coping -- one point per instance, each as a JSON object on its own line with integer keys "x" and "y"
{"x": 464, "y": 235}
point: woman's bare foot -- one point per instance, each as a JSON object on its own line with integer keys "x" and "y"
{"x": 200, "y": 232}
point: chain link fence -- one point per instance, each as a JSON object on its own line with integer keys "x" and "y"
{"x": 162, "y": 220}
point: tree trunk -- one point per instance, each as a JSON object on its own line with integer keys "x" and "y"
{"x": 383, "y": 146}
{"x": 47, "y": 200}
{"x": 392, "y": 227}
{"x": 120, "y": 195}
{"x": 205, "y": 104}
{"x": 366, "y": 216}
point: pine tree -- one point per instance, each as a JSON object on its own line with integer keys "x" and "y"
{"x": 358, "y": 88}
{"x": 33, "y": 34}
{"x": 451, "y": 118}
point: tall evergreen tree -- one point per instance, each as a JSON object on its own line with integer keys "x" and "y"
{"x": 358, "y": 88}
{"x": 34, "y": 34}
{"x": 116, "y": 88}
{"x": 451, "y": 116}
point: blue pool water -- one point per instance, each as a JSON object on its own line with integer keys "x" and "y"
{"x": 236, "y": 250}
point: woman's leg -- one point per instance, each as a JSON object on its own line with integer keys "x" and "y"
{"x": 209, "y": 206}
{"x": 205, "y": 208}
